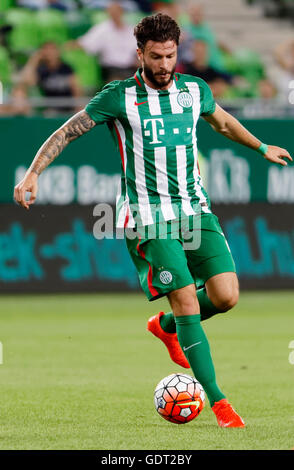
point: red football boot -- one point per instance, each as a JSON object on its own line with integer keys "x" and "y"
{"x": 169, "y": 339}
{"x": 226, "y": 415}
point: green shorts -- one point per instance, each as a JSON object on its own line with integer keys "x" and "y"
{"x": 164, "y": 265}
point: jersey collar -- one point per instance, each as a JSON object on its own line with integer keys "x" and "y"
{"x": 139, "y": 79}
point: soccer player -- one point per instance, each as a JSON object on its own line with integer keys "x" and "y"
{"x": 152, "y": 117}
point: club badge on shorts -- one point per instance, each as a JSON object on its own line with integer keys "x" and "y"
{"x": 166, "y": 277}
{"x": 185, "y": 99}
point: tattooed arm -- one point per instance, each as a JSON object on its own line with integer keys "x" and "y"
{"x": 76, "y": 126}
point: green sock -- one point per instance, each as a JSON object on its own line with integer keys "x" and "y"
{"x": 207, "y": 310}
{"x": 167, "y": 323}
{"x": 196, "y": 348}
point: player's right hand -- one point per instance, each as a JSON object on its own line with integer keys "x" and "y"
{"x": 28, "y": 184}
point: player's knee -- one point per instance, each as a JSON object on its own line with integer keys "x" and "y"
{"x": 184, "y": 301}
{"x": 228, "y": 300}
{"x": 185, "y": 306}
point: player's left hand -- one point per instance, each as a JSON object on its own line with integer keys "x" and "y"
{"x": 277, "y": 154}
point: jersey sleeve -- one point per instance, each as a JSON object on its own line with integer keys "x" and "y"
{"x": 105, "y": 105}
{"x": 207, "y": 99}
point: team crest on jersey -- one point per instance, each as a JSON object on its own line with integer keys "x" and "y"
{"x": 166, "y": 277}
{"x": 185, "y": 99}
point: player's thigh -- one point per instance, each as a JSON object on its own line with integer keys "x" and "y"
{"x": 161, "y": 265}
{"x": 223, "y": 290}
{"x": 213, "y": 256}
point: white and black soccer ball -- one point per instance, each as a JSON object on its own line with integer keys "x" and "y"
{"x": 179, "y": 398}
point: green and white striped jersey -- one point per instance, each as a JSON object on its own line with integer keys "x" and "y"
{"x": 155, "y": 131}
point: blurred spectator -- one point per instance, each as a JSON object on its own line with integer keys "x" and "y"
{"x": 284, "y": 54}
{"x": 218, "y": 81}
{"x": 18, "y": 105}
{"x": 199, "y": 29}
{"x": 114, "y": 44}
{"x": 34, "y": 4}
{"x": 127, "y": 5}
{"x": 266, "y": 89}
{"x": 168, "y": 7}
{"x": 54, "y": 78}
{"x": 144, "y": 5}
{"x": 62, "y": 5}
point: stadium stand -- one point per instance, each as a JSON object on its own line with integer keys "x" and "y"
{"x": 275, "y": 8}
{"x": 117, "y": 57}
{"x": 78, "y": 22}
{"x": 52, "y": 25}
{"x": 236, "y": 31}
{"x": 24, "y": 36}
{"x": 5, "y": 4}
{"x": 86, "y": 68}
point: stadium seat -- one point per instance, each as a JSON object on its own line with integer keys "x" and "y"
{"x": 246, "y": 63}
{"x": 250, "y": 65}
{"x": 5, "y": 4}
{"x": 53, "y": 26}
{"x": 78, "y": 23}
{"x": 25, "y": 33}
{"x": 131, "y": 17}
{"x": 283, "y": 9}
{"x": 86, "y": 67}
{"x": 5, "y": 67}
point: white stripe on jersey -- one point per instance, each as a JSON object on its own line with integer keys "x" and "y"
{"x": 125, "y": 210}
{"x": 195, "y": 92}
{"x": 181, "y": 156}
{"x": 160, "y": 161}
{"x": 182, "y": 179}
{"x": 162, "y": 183}
{"x": 153, "y": 101}
{"x": 173, "y": 98}
{"x": 135, "y": 123}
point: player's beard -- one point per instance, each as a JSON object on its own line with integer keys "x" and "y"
{"x": 156, "y": 79}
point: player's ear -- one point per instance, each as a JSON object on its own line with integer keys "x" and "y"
{"x": 140, "y": 54}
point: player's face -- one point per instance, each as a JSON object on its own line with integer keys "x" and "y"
{"x": 158, "y": 61}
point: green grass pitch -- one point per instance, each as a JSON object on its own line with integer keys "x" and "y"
{"x": 79, "y": 372}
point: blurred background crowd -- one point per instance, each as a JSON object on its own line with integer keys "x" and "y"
{"x": 55, "y": 54}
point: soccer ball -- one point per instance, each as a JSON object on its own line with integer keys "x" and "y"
{"x": 179, "y": 398}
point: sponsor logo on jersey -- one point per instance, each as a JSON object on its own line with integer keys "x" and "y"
{"x": 185, "y": 99}
{"x": 166, "y": 277}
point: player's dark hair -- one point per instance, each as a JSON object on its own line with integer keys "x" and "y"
{"x": 158, "y": 28}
